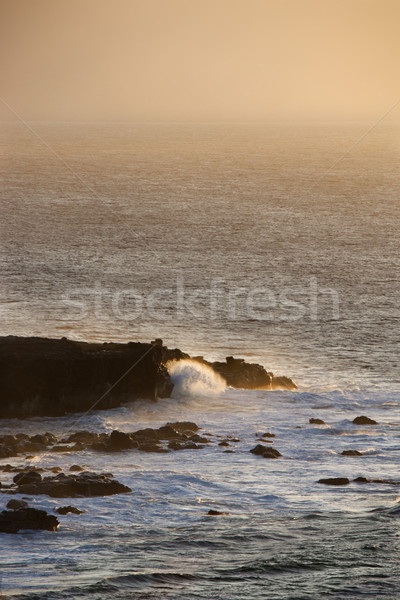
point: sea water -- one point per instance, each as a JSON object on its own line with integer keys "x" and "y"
{"x": 222, "y": 240}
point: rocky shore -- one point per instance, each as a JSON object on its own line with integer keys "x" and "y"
{"x": 34, "y": 482}
{"x": 52, "y": 377}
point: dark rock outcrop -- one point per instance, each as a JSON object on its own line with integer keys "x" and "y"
{"x": 147, "y": 440}
{"x": 314, "y": 421}
{"x": 351, "y": 453}
{"x": 216, "y": 513}
{"x": 334, "y": 481}
{"x": 65, "y": 510}
{"x": 265, "y": 451}
{"x": 16, "y": 504}
{"x": 385, "y": 481}
{"x": 12, "y": 521}
{"x": 363, "y": 420}
{"x": 28, "y": 476}
{"x": 237, "y": 372}
{"x": 179, "y": 435}
{"x": 250, "y": 376}
{"x": 12, "y": 445}
{"x": 72, "y": 486}
{"x": 51, "y": 377}
{"x": 240, "y": 374}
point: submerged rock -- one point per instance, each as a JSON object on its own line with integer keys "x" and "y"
{"x": 12, "y": 521}
{"x": 316, "y": 421}
{"x": 351, "y": 453}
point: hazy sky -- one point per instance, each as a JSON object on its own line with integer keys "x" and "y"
{"x": 199, "y": 59}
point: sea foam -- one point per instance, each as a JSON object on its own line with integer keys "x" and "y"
{"x": 191, "y": 378}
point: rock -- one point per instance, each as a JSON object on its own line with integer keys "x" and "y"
{"x": 151, "y": 447}
{"x": 316, "y": 421}
{"x": 10, "y": 469}
{"x": 385, "y": 481}
{"x": 174, "y": 445}
{"x": 64, "y": 510}
{"x": 265, "y": 451}
{"x": 72, "y": 486}
{"x": 364, "y": 421}
{"x": 184, "y": 426}
{"x": 147, "y": 435}
{"x": 351, "y": 453}
{"x": 52, "y": 377}
{"x": 119, "y": 440}
{"x": 180, "y": 436}
{"x": 12, "y": 521}
{"x": 216, "y": 513}
{"x": 16, "y": 504}
{"x": 334, "y": 481}
{"x": 282, "y": 383}
{"x": 74, "y": 468}
{"x": 45, "y": 439}
{"x": 239, "y": 374}
{"x": 200, "y": 439}
{"x": 87, "y": 438}
{"x": 224, "y": 443}
{"x": 27, "y": 477}
{"x": 167, "y": 432}
{"x": 267, "y": 435}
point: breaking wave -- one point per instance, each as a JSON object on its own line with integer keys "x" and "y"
{"x": 191, "y": 378}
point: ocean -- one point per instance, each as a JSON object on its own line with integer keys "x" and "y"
{"x": 277, "y": 243}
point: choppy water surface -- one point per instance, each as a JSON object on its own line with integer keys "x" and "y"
{"x": 173, "y": 209}
{"x": 285, "y": 535}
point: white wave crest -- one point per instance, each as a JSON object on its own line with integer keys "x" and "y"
{"x": 191, "y": 378}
